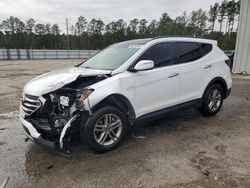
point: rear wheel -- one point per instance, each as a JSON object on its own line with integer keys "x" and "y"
{"x": 105, "y": 129}
{"x": 212, "y": 100}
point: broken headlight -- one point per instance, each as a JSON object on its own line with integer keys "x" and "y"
{"x": 82, "y": 96}
{"x": 86, "y": 94}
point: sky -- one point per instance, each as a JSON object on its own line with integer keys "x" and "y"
{"x": 55, "y": 11}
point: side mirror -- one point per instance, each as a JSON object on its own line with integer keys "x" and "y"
{"x": 144, "y": 65}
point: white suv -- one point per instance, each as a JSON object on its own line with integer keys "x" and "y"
{"x": 127, "y": 83}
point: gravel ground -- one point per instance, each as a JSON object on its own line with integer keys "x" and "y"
{"x": 182, "y": 150}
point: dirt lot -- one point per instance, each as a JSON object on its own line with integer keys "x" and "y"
{"x": 182, "y": 150}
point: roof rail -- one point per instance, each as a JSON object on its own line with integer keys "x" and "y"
{"x": 167, "y": 36}
{"x": 186, "y": 36}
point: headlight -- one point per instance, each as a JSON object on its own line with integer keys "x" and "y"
{"x": 86, "y": 94}
{"x": 64, "y": 100}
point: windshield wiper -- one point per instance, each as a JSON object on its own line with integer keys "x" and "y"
{"x": 86, "y": 67}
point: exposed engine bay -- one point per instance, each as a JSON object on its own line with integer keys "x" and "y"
{"x": 58, "y": 115}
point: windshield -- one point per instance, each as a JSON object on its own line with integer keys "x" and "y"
{"x": 114, "y": 56}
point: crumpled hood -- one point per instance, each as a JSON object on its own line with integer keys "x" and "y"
{"x": 54, "y": 80}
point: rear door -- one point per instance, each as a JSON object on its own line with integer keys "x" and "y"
{"x": 194, "y": 68}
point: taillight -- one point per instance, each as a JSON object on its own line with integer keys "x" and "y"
{"x": 228, "y": 62}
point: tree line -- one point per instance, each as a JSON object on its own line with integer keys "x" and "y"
{"x": 218, "y": 24}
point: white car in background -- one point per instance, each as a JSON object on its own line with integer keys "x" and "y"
{"x": 127, "y": 83}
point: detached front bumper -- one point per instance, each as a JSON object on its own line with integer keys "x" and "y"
{"x": 30, "y": 131}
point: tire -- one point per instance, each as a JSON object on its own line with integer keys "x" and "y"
{"x": 105, "y": 129}
{"x": 212, "y": 100}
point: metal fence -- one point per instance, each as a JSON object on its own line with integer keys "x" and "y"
{"x": 8, "y": 54}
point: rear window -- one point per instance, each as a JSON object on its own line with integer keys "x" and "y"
{"x": 190, "y": 51}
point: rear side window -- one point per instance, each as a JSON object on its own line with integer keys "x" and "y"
{"x": 205, "y": 48}
{"x": 187, "y": 51}
{"x": 161, "y": 54}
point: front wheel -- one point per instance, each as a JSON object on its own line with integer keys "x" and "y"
{"x": 212, "y": 100}
{"x": 105, "y": 129}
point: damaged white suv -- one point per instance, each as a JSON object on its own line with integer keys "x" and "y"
{"x": 125, "y": 84}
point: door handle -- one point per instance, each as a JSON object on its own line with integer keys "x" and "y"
{"x": 173, "y": 75}
{"x": 208, "y": 67}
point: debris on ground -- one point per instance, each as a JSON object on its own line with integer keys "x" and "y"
{"x": 50, "y": 167}
{"x": 217, "y": 134}
{"x": 139, "y": 137}
{"x": 205, "y": 172}
{"x": 220, "y": 148}
{"x": 4, "y": 184}
{"x": 2, "y": 143}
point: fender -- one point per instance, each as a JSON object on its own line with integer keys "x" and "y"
{"x": 119, "y": 101}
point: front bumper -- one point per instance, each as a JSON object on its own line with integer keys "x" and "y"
{"x": 30, "y": 131}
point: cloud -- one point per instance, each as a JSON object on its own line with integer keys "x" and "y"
{"x": 55, "y": 11}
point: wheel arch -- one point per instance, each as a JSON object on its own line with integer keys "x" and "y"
{"x": 220, "y": 81}
{"x": 118, "y": 101}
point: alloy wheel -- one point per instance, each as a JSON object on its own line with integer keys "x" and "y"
{"x": 214, "y": 100}
{"x": 107, "y": 129}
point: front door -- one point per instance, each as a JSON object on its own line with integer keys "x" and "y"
{"x": 158, "y": 88}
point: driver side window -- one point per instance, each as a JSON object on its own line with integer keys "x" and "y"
{"x": 161, "y": 54}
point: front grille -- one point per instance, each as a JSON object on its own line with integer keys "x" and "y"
{"x": 29, "y": 104}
